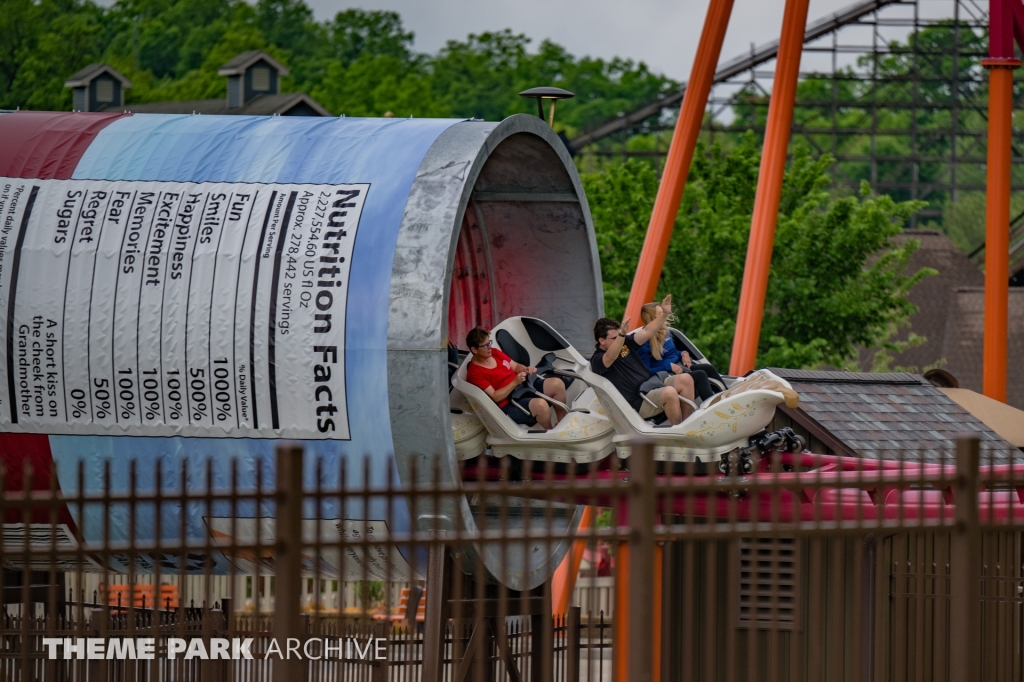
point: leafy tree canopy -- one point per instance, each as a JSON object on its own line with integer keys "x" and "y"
{"x": 359, "y": 63}
{"x": 837, "y": 277}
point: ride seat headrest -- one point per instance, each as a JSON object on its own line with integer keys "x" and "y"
{"x": 683, "y": 344}
{"x": 511, "y": 347}
{"x": 543, "y": 336}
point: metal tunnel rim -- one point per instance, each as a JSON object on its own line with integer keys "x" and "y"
{"x": 418, "y": 322}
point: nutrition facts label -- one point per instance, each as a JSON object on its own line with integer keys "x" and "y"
{"x": 166, "y": 308}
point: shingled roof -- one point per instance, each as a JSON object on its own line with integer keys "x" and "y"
{"x": 870, "y": 414}
{"x": 951, "y": 316}
{"x": 238, "y": 65}
{"x": 83, "y": 77}
{"x": 963, "y": 345}
{"x": 934, "y": 297}
{"x": 261, "y": 105}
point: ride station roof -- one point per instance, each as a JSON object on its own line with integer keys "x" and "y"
{"x": 866, "y": 414}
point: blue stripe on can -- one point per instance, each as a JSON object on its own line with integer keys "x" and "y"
{"x": 386, "y": 153}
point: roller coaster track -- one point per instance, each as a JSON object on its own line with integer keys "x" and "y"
{"x": 735, "y": 67}
{"x": 849, "y": 492}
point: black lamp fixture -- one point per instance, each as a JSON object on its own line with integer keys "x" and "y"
{"x": 543, "y": 93}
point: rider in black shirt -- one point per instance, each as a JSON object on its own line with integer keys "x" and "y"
{"x": 615, "y": 358}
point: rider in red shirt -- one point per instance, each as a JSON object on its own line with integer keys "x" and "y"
{"x": 499, "y": 375}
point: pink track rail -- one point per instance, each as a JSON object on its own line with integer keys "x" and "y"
{"x": 830, "y": 489}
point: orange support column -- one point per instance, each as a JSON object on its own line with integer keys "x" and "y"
{"x": 997, "y": 223}
{"x": 645, "y": 282}
{"x": 769, "y": 189}
{"x": 564, "y": 581}
{"x": 680, "y": 154}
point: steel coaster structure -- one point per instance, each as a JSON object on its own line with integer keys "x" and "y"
{"x": 894, "y": 91}
{"x": 1005, "y": 30}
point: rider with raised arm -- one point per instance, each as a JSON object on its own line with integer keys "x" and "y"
{"x": 616, "y": 359}
{"x": 498, "y": 375}
{"x": 663, "y": 358}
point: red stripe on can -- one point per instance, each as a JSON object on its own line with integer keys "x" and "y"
{"x": 43, "y": 145}
{"x": 28, "y": 455}
{"x": 47, "y": 144}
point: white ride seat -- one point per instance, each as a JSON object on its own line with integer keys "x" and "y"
{"x": 683, "y": 343}
{"x": 468, "y": 431}
{"x": 583, "y": 435}
{"x": 716, "y": 427}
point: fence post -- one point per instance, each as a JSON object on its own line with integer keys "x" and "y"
{"x": 965, "y": 572}
{"x": 381, "y": 630}
{"x": 435, "y": 621}
{"x": 642, "y": 506}
{"x": 542, "y": 644}
{"x": 227, "y": 628}
{"x": 227, "y": 614}
{"x": 288, "y": 620}
{"x": 573, "y": 631}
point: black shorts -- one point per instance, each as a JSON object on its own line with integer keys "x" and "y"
{"x": 517, "y": 415}
{"x": 523, "y": 397}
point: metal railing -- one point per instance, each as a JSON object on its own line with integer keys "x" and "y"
{"x": 907, "y": 566}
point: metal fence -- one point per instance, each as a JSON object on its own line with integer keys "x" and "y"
{"x": 906, "y": 566}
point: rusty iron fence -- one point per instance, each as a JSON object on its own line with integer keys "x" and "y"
{"x": 906, "y": 566}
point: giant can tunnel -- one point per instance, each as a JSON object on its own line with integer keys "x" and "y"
{"x": 184, "y": 288}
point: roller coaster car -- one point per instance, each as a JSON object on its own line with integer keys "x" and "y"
{"x": 468, "y": 431}
{"x": 682, "y": 343}
{"x": 583, "y": 435}
{"x": 716, "y": 427}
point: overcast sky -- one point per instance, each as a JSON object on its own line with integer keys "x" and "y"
{"x": 662, "y": 33}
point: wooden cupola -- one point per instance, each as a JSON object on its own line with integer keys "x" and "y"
{"x": 97, "y": 87}
{"x": 251, "y": 74}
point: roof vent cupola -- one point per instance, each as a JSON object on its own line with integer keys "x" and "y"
{"x": 251, "y": 74}
{"x": 97, "y": 87}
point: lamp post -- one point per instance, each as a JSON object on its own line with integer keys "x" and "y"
{"x": 546, "y": 92}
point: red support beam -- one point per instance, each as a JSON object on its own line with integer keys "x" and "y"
{"x": 1017, "y": 9}
{"x": 1001, "y": 28}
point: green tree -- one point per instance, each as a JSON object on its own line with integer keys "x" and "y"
{"x": 837, "y": 279}
{"x": 375, "y": 85}
{"x": 355, "y": 33}
{"x": 43, "y": 43}
{"x": 289, "y": 25}
{"x": 360, "y": 63}
{"x": 482, "y": 76}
